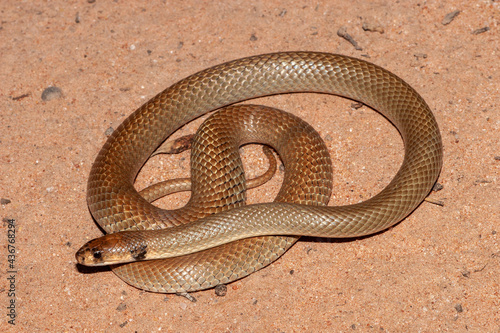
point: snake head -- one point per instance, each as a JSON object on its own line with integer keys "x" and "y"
{"x": 111, "y": 249}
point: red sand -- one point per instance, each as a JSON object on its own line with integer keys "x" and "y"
{"x": 438, "y": 270}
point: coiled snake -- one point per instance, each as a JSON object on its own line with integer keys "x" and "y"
{"x": 118, "y": 207}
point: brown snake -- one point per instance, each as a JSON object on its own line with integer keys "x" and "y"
{"x": 117, "y": 206}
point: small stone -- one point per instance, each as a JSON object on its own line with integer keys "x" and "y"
{"x": 437, "y": 187}
{"x": 51, "y": 93}
{"x": 109, "y": 131}
{"x": 221, "y": 290}
{"x": 372, "y": 27}
{"x": 450, "y": 17}
{"x": 121, "y": 307}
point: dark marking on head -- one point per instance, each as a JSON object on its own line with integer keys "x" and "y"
{"x": 97, "y": 254}
{"x": 140, "y": 252}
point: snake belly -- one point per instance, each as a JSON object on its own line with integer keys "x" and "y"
{"x": 117, "y": 206}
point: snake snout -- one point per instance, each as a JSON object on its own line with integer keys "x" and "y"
{"x": 89, "y": 255}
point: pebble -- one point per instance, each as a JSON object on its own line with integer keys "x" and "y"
{"x": 51, "y": 93}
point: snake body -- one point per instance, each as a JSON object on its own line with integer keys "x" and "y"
{"x": 117, "y": 206}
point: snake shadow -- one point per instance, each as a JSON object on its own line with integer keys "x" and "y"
{"x": 91, "y": 269}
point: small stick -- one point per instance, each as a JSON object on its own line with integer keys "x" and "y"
{"x": 342, "y": 32}
{"x": 435, "y": 202}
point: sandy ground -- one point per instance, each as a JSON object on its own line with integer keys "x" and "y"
{"x": 438, "y": 270}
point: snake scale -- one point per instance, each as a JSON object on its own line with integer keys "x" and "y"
{"x": 213, "y": 249}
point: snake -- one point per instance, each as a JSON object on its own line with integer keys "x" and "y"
{"x": 140, "y": 234}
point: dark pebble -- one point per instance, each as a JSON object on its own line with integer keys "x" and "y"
{"x": 51, "y": 93}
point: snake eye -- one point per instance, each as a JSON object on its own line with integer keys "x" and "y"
{"x": 97, "y": 254}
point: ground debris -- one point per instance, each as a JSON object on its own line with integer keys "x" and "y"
{"x": 450, "y": 17}
{"x": 342, "y": 32}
